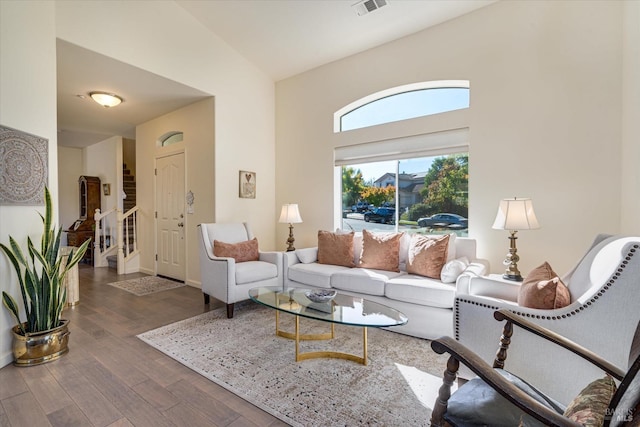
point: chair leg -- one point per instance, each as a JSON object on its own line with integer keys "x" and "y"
{"x": 444, "y": 393}
{"x": 206, "y": 298}
{"x": 229, "y": 311}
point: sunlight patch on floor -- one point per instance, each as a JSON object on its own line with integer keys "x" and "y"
{"x": 424, "y": 385}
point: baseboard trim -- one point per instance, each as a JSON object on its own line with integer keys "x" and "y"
{"x": 147, "y": 271}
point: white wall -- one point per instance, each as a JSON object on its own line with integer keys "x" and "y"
{"x": 630, "y": 211}
{"x": 70, "y": 168}
{"x": 544, "y": 121}
{"x": 28, "y": 103}
{"x": 104, "y": 160}
{"x": 192, "y": 55}
{"x": 197, "y": 123}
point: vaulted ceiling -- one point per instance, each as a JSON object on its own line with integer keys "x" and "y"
{"x": 281, "y": 37}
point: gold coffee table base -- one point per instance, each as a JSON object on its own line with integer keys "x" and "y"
{"x": 297, "y": 336}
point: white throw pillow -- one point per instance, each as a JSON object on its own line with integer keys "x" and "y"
{"x": 453, "y": 269}
{"x": 307, "y": 255}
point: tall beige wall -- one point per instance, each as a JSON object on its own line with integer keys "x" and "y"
{"x": 197, "y": 123}
{"x": 27, "y": 103}
{"x": 630, "y": 211}
{"x": 104, "y": 160}
{"x": 544, "y": 120}
{"x": 190, "y": 54}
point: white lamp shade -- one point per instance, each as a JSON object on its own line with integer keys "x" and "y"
{"x": 290, "y": 214}
{"x": 516, "y": 214}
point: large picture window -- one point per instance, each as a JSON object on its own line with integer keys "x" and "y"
{"x": 417, "y": 183}
{"x": 425, "y": 195}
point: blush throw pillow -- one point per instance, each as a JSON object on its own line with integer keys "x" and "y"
{"x": 241, "y": 251}
{"x": 543, "y": 289}
{"x": 335, "y": 249}
{"x": 427, "y": 255}
{"x": 380, "y": 251}
{"x": 589, "y": 407}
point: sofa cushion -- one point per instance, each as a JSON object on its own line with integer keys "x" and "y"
{"x": 427, "y": 255}
{"x": 335, "y": 248}
{"x": 543, "y": 289}
{"x": 380, "y": 251}
{"x": 362, "y": 280}
{"x": 241, "y": 251}
{"x": 314, "y": 274}
{"x": 420, "y": 290}
{"x": 254, "y": 271}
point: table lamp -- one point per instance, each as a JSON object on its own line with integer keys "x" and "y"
{"x": 513, "y": 215}
{"x": 291, "y": 215}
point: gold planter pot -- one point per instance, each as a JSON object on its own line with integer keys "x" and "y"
{"x": 40, "y": 347}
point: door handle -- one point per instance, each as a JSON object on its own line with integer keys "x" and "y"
{"x": 180, "y": 224}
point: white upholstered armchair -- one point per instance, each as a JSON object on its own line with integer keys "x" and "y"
{"x": 603, "y": 316}
{"x": 227, "y": 280}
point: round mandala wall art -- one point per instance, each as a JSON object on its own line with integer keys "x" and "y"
{"x": 24, "y": 167}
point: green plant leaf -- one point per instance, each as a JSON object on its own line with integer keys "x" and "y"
{"x": 10, "y": 303}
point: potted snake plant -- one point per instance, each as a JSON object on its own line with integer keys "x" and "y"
{"x": 44, "y": 336}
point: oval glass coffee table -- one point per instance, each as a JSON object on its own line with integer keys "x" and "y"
{"x": 342, "y": 309}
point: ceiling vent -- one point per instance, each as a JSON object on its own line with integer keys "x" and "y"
{"x": 367, "y": 6}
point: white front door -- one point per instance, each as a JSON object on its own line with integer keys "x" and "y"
{"x": 170, "y": 205}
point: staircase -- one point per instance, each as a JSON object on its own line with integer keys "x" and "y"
{"x": 129, "y": 187}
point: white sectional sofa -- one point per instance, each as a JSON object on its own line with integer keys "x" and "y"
{"x": 427, "y": 302}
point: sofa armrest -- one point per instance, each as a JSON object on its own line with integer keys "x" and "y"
{"x": 290, "y": 258}
{"x": 476, "y": 268}
{"x": 271, "y": 257}
{"x": 488, "y": 287}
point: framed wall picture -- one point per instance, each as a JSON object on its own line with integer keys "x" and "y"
{"x": 106, "y": 189}
{"x": 247, "y": 185}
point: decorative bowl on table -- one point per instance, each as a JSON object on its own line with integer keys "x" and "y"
{"x": 321, "y": 295}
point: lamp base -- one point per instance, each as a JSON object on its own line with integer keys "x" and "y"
{"x": 290, "y": 240}
{"x": 511, "y": 260}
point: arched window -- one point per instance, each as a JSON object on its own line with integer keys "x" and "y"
{"x": 404, "y": 102}
{"x": 402, "y": 183}
{"x": 169, "y": 138}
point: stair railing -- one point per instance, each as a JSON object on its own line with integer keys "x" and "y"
{"x": 127, "y": 237}
{"x": 103, "y": 242}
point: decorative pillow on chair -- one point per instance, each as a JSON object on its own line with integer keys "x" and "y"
{"x": 380, "y": 251}
{"x": 543, "y": 289}
{"x": 241, "y": 251}
{"x": 590, "y": 406}
{"x": 427, "y": 255}
{"x": 335, "y": 248}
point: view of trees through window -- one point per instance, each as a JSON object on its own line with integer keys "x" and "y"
{"x": 423, "y": 195}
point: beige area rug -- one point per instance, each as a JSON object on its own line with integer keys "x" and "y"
{"x": 397, "y": 388}
{"x": 146, "y": 285}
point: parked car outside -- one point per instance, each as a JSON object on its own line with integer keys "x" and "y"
{"x": 361, "y": 207}
{"x": 381, "y": 215}
{"x": 447, "y": 220}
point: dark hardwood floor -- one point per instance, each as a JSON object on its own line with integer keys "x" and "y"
{"x": 111, "y": 378}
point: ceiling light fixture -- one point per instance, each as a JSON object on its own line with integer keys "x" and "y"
{"x": 105, "y": 99}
